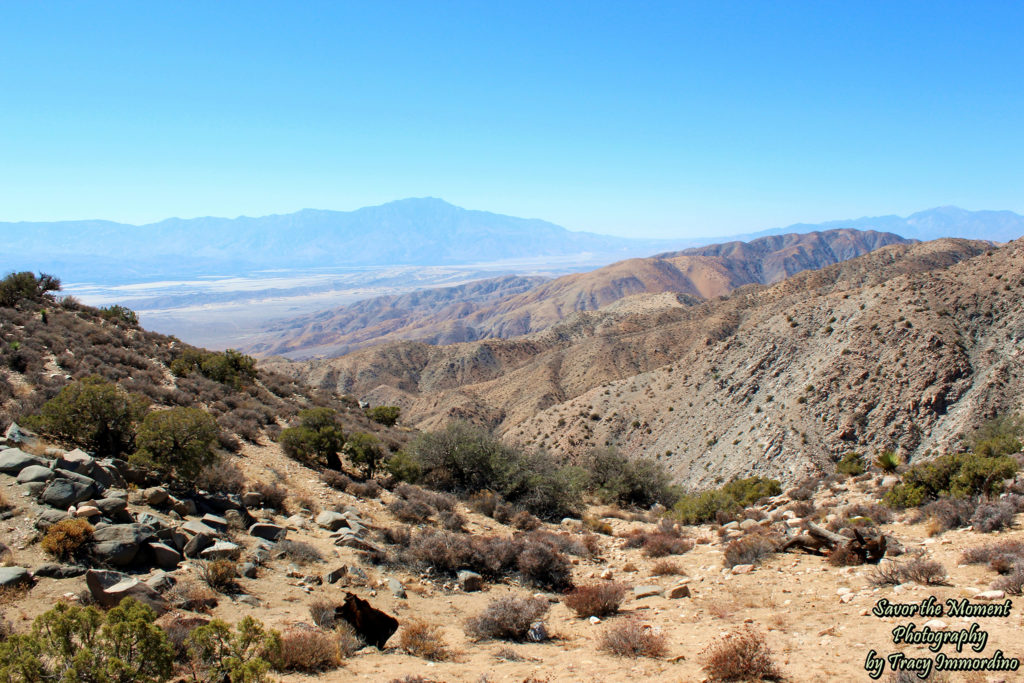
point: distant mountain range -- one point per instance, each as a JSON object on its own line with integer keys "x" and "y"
{"x": 511, "y": 306}
{"x": 423, "y": 231}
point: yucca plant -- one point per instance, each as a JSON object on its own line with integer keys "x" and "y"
{"x": 888, "y": 461}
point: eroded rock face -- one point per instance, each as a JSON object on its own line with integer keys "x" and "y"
{"x": 109, "y": 588}
{"x": 118, "y": 544}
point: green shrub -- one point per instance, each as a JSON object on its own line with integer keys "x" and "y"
{"x": 365, "y": 451}
{"x": 17, "y": 287}
{"x": 120, "y": 314}
{"x": 385, "y": 415}
{"x": 959, "y": 475}
{"x": 230, "y": 367}
{"x": 92, "y": 414}
{"x": 318, "y": 437}
{"x": 71, "y": 643}
{"x": 178, "y": 441}
{"x": 851, "y": 464}
{"x": 403, "y": 467}
{"x": 1000, "y": 436}
{"x": 216, "y": 653}
{"x": 888, "y": 461}
{"x": 615, "y": 478}
{"x": 725, "y": 502}
{"x": 67, "y": 539}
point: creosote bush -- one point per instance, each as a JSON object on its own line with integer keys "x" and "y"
{"x": 740, "y": 656}
{"x": 751, "y": 548}
{"x": 961, "y": 475}
{"x": 219, "y": 575}
{"x": 307, "y": 650}
{"x": 177, "y": 441}
{"x": 595, "y": 599}
{"x": 723, "y": 504}
{"x": 506, "y": 618}
{"x": 68, "y": 539}
{"x": 216, "y": 652}
{"x": 631, "y": 638}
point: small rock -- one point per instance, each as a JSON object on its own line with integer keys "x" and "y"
{"x": 221, "y": 550}
{"x": 216, "y": 522}
{"x": 59, "y": 571}
{"x": 197, "y": 544}
{"x": 248, "y": 570}
{"x": 595, "y": 620}
{"x": 34, "y": 473}
{"x": 748, "y": 524}
{"x": 646, "y": 591}
{"x": 331, "y": 520}
{"x": 14, "y": 576}
{"x": 312, "y": 580}
{"x": 396, "y": 588}
{"x": 87, "y": 511}
{"x": 337, "y": 575}
{"x": 936, "y": 624}
{"x": 196, "y": 527}
{"x": 990, "y": 595}
{"x": 742, "y": 569}
{"x": 252, "y": 499}
{"x": 270, "y": 532}
{"x": 538, "y": 633}
{"x": 678, "y": 591}
{"x": 607, "y": 574}
{"x": 161, "y": 581}
{"x": 731, "y": 525}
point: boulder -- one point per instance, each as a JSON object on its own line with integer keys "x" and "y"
{"x": 196, "y": 527}
{"x": 155, "y": 495}
{"x": 113, "y": 508}
{"x": 166, "y": 556}
{"x": 63, "y": 493}
{"x": 77, "y": 461}
{"x": 538, "y": 632}
{"x": 337, "y": 575}
{"x": 150, "y": 520}
{"x": 118, "y": 544}
{"x": 350, "y": 541}
{"x": 16, "y": 434}
{"x": 14, "y": 576}
{"x": 678, "y": 591}
{"x": 59, "y": 571}
{"x": 330, "y": 520}
{"x": 470, "y": 581}
{"x": 13, "y": 461}
{"x": 35, "y": 473}
{"x": 48, "y": 518}
{"x": 252, "y": 499}
{"x": 215, "y": 522}
{"x": 107, "y": 475}
{"x": 270, "y": 532}
{"x": 197, "y": 544}
{"x": 109, "y": 588}
{"x": 185, "y": 508}
{"x": 87, "y": 511}
{"x": 221, "y": 550}
{"x": 161, "y": 581}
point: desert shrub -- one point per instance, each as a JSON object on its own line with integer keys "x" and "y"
{"x": 599, "y": 526}
{"x": 595, "y": 599}
{"x": 68, "y": 539}
{"x": 615, "y": 478}
{"x": 72, "y": 643}
{"x": 219, "y": 575}
{"x": 751, "y": 548}
{"x": 119, "y": 314}
{"x": 366, "y": 490}
{"x": 397, "y": 535}
{"x": 274, "y": 495}
{"x": 317, "y": 439}
{"x": 633, "y": 639}
{"x": 219, "y": 653}
{"x": 422, "y": 639}
{"x": 452, "y": 521}
{"x": 192, "y": 596}
{"x": 1011, "y": 583}
{"x": 667, "y": 568}
{"x": 545, "y": 567}
{"x": 961, "y": 475}
{"x": 1006, "y": 552}
{"x": 524, "y": 521}
{"x": 999, "y": 436}
{"x": 888, "y": 461}
{"x": 992, "y": 516}
{"x": 385, "y": 415}
{"x": 851, "y": 464}
{"x": 463, "y": 459}
{"x": 299, "y": 552}
{"x": 844, "y": 556}
{"x": 918, "y": 569}
{"x": 222, "y": 475}
{"x": 506, "y": 618}
{"x": 871, "y": 513}
{"x": 230, "y": 367}
{"x": 24, "y": 286}
{"x": 178, "y": 441}
{"x": 410, "y": 511}
{"x": 177, "y": 629}
{"x": 307, "y": 650}
{"x": 92, "y": 414}
{"x": 724, "y": 502}
{"x": 365, "y": 451}
{"x": 740, "y": 656}
{"x": 660, "y": 544}
{"x": 321, "y": 611}
{"x": 948, "y": 513}
{"x": 484, "y": 502}
{"x": 336, "y": 480}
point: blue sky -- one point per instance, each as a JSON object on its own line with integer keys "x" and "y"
{"x": 631, "y": 118}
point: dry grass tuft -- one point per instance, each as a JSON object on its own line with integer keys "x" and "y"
{"x": 596, "y": 599}
{"x": 422, "y": 639}
{"x": 308, "y": 650}
{"x": 507, "y": 618}
{"x": 631, "y": 638}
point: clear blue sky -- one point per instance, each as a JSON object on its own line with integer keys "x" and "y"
{"x": 654, "y": 119}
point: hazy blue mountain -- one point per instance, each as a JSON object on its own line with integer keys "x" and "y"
{"x": 943, "y": 221}
{"x": 423, "y": 231}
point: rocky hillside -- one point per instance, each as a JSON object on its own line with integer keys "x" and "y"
{"x": 906, "y": 348}
{"x": 509, "y": 307}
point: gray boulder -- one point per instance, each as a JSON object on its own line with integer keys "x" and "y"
{"x": 14, "y": 576}
{"x": 48, "y": 518}
{"x": 166, "y": 556}
{"x": 16, "y": 434}
{"x": 221, "y": 550}
{"x": 59, "y": 571}
{"x": 197, "y": 544}
{"x": 470, "y": 581}
{"x": 157, "y": 495}
{"x": 63, "y": 493}
{"x": 114, "y": 508}
{"x": 118, "y": 544}
{"x": 331, "y": 521}
{"x": 35, "y": 473}
{"x": 109, "y": 588}
{"x": 13, "y": 461}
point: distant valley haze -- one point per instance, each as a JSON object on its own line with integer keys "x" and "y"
{"x": 217, "y": 281}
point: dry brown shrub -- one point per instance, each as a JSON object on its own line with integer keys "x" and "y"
{"x": 219, "y": 575}
{"x": 321, "y": 611}
{"x": 308, "y": 650}
{"x": 596, "y": 599}
{"x": 524, "y": 521}
{"x": 335, "y": 479}
{"x": 306, "y": 503}
{"x": 67, "y": 539}
{"x": 191, "y": 596}
{"x": 422, "y": 639}
{"x": 844, "y": 556}
{"x": 274, "y": 495}
{"x": 740, "y": 656}
{"x": 506, "y": 618}
{"x": 12, "y": 595}
{"x": 667, "y": 568}
{"x": 223, "y": 476}
{"x": 660, "y": 544}
{"x": 452, "y": 521}
{"x": 410, "y": 511}
{"x": 751, "y": 548}
{"x": 1012, "y": 583}
{"x": 300, "y": 552}
{"x": 631, "y": 638}
{"x": 369, "y": 489}
{"x": 347, "y": 639}
{"x": 598, "y": 526}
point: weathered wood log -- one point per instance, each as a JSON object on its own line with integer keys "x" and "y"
{"x": 819, "y": 541}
